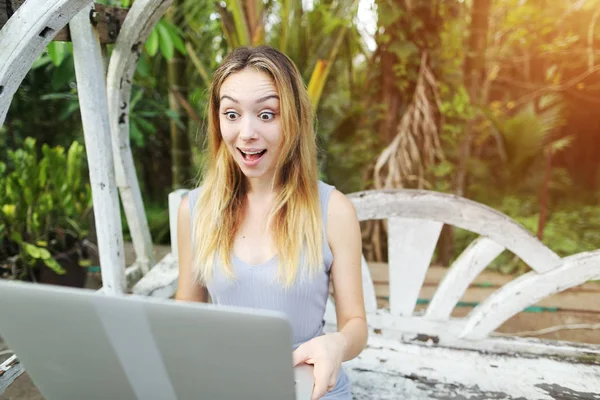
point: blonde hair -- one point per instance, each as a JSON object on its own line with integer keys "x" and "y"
{"x": 295, "y": 219}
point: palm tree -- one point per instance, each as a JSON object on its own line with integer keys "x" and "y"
{"x": 311, "y": 38}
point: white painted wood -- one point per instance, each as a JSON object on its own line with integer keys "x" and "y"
{"x": 24, "y": 38}
{"x": 175, "y": 198}
{"x": 133, "y": 274}
{"x": 516, "y": 346}
{"x": 417, "y": 330}
{"x": 91, "y": 88}
{"x": 411, "y": 243}
{"x": 388, "y": 370}
{"x": 529, "y": 289}
{"x": 459, "y": 212}
{"x": 478, "y": 255}
{"x": 10, "y": 372}
{"x": 330, "y": 316}
{"x": 5, "y": 365}
{"x": 161, "y": 281}
{"x": 369, "y": 295}
{"x": 408, "y": 327}
{"x": 141, "y": 19}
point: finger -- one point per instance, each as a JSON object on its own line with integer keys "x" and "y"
{"x": 299, "y": 355}
{"x": 332, "y": 382}
{"x": 319, "y": 391}
{"x": 321, "y": 381}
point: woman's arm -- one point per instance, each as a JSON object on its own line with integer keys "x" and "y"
{"x": 343, "y": 234}
{"x": 187, "y": 288}
{"x": 327, "y": 352}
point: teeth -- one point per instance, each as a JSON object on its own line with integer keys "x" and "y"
{"x": 252, "y": 152}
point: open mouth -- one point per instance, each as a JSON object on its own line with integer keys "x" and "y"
{"x": 252, "y": 155}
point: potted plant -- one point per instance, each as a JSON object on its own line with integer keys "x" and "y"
{"x": 45, "y": 202}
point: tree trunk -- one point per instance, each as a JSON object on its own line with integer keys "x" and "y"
{"x": 473, "y": 73}
{"x": 389, "y": 97}
{"x": 544, "y": 194}
{"x": 181, "y": 156}
{"x": 473, "y": 78}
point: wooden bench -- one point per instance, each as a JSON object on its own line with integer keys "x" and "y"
{"x": 429, "y": 354}
{"x": 410, "y": 354}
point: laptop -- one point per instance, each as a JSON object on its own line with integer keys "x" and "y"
{"x": 79, "y": 344}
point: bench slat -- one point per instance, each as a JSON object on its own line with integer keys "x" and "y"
{"x": 480, "y": 253}
{"x": 161, "y": 281}
{"x": 529, "y": 289}
{"x": 382, "y": 322}
{"x": 411, "y": 244}
{"x": 368, "y": 287}
{"x": 387, "y": 369}
{"x": 460, "y": 212}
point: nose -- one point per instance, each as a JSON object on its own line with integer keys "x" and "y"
{"x": 247, "y": 129}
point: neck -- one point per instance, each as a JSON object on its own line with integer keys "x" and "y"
{"x": 260, "y": 187}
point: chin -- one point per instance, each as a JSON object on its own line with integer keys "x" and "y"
{"x": 251, "y": 173}
{"x": 254, "y": 173}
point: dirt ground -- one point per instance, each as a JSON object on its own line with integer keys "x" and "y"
{"x": 583, "y": 306}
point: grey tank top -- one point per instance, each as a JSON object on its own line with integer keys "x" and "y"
{"x": 256, "y": 286}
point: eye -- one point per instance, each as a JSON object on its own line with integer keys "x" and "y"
{"x": 266, "y": 116}
{"x": 231, "y": 115}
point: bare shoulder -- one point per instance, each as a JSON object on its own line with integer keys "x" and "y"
{"x": 341, "y": 216}
{"x": 187, "y": 288}
{"x": 340, "y": 207}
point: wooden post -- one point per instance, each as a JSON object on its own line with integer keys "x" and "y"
{"x": 91, "y": 87}
{"x": 142, "y": 18}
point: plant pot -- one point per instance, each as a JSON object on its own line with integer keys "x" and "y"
{"x": 75, "y": 274}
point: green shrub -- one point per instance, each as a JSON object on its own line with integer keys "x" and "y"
{"x": 44, "y": 206}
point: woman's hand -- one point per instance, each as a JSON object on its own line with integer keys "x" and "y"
{"x": 326, "y": 354}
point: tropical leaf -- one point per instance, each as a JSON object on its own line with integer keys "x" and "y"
{"x": 167, "y": 46}
{"x": 57, "y": 52}
{"x": 240, "y": 20}
{"x": 151, "y": 45}
{"x": 176, "y": 35}
{"x": 55, "y": 266}
{"x": 200, "y": 68}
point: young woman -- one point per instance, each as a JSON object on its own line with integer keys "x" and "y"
{"x": 262, "y": 231}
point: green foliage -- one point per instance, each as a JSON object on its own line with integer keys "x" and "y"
{"x": 527, "y": 132}
{"x": 167, "y": 38}
{"x": 45, "y": 107}
{"x": 45, "y": 201}
{"x": 158, "y": 223}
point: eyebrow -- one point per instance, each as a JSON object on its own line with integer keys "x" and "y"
{"x": 261, "y": 100}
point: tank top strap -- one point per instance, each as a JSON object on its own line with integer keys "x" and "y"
{"x": 192, "y": 200}
{"x": 325, "y": 191}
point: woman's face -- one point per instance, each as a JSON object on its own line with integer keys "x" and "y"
{"x": 250, "y": 121}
